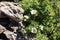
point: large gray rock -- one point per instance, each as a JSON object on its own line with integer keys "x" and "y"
{"x": 11, "y": 10}
{"x": 15, "y": 14}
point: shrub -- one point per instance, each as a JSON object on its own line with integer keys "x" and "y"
{"x": 44, "y": 17}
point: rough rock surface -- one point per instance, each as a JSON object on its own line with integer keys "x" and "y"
{"x": 11, "y": 17}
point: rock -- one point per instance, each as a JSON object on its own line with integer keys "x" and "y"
{"x": 10, "y": 35}
{"x": 11, "y": 10}
{"x": 2, "y": 29}
{"x": 14, "y": 13}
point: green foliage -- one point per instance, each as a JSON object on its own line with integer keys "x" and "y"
{"x": 44, "y": 17}
{"x": 16, "y": 0}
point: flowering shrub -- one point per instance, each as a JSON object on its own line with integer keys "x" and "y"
{"x": 42, "y": 17}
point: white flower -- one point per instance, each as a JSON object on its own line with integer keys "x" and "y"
{"x": 27, "y": 17}
{"x": 41, "y": 27}
{"x": 34, "y": 30}
{"x": 33, "y": 12}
